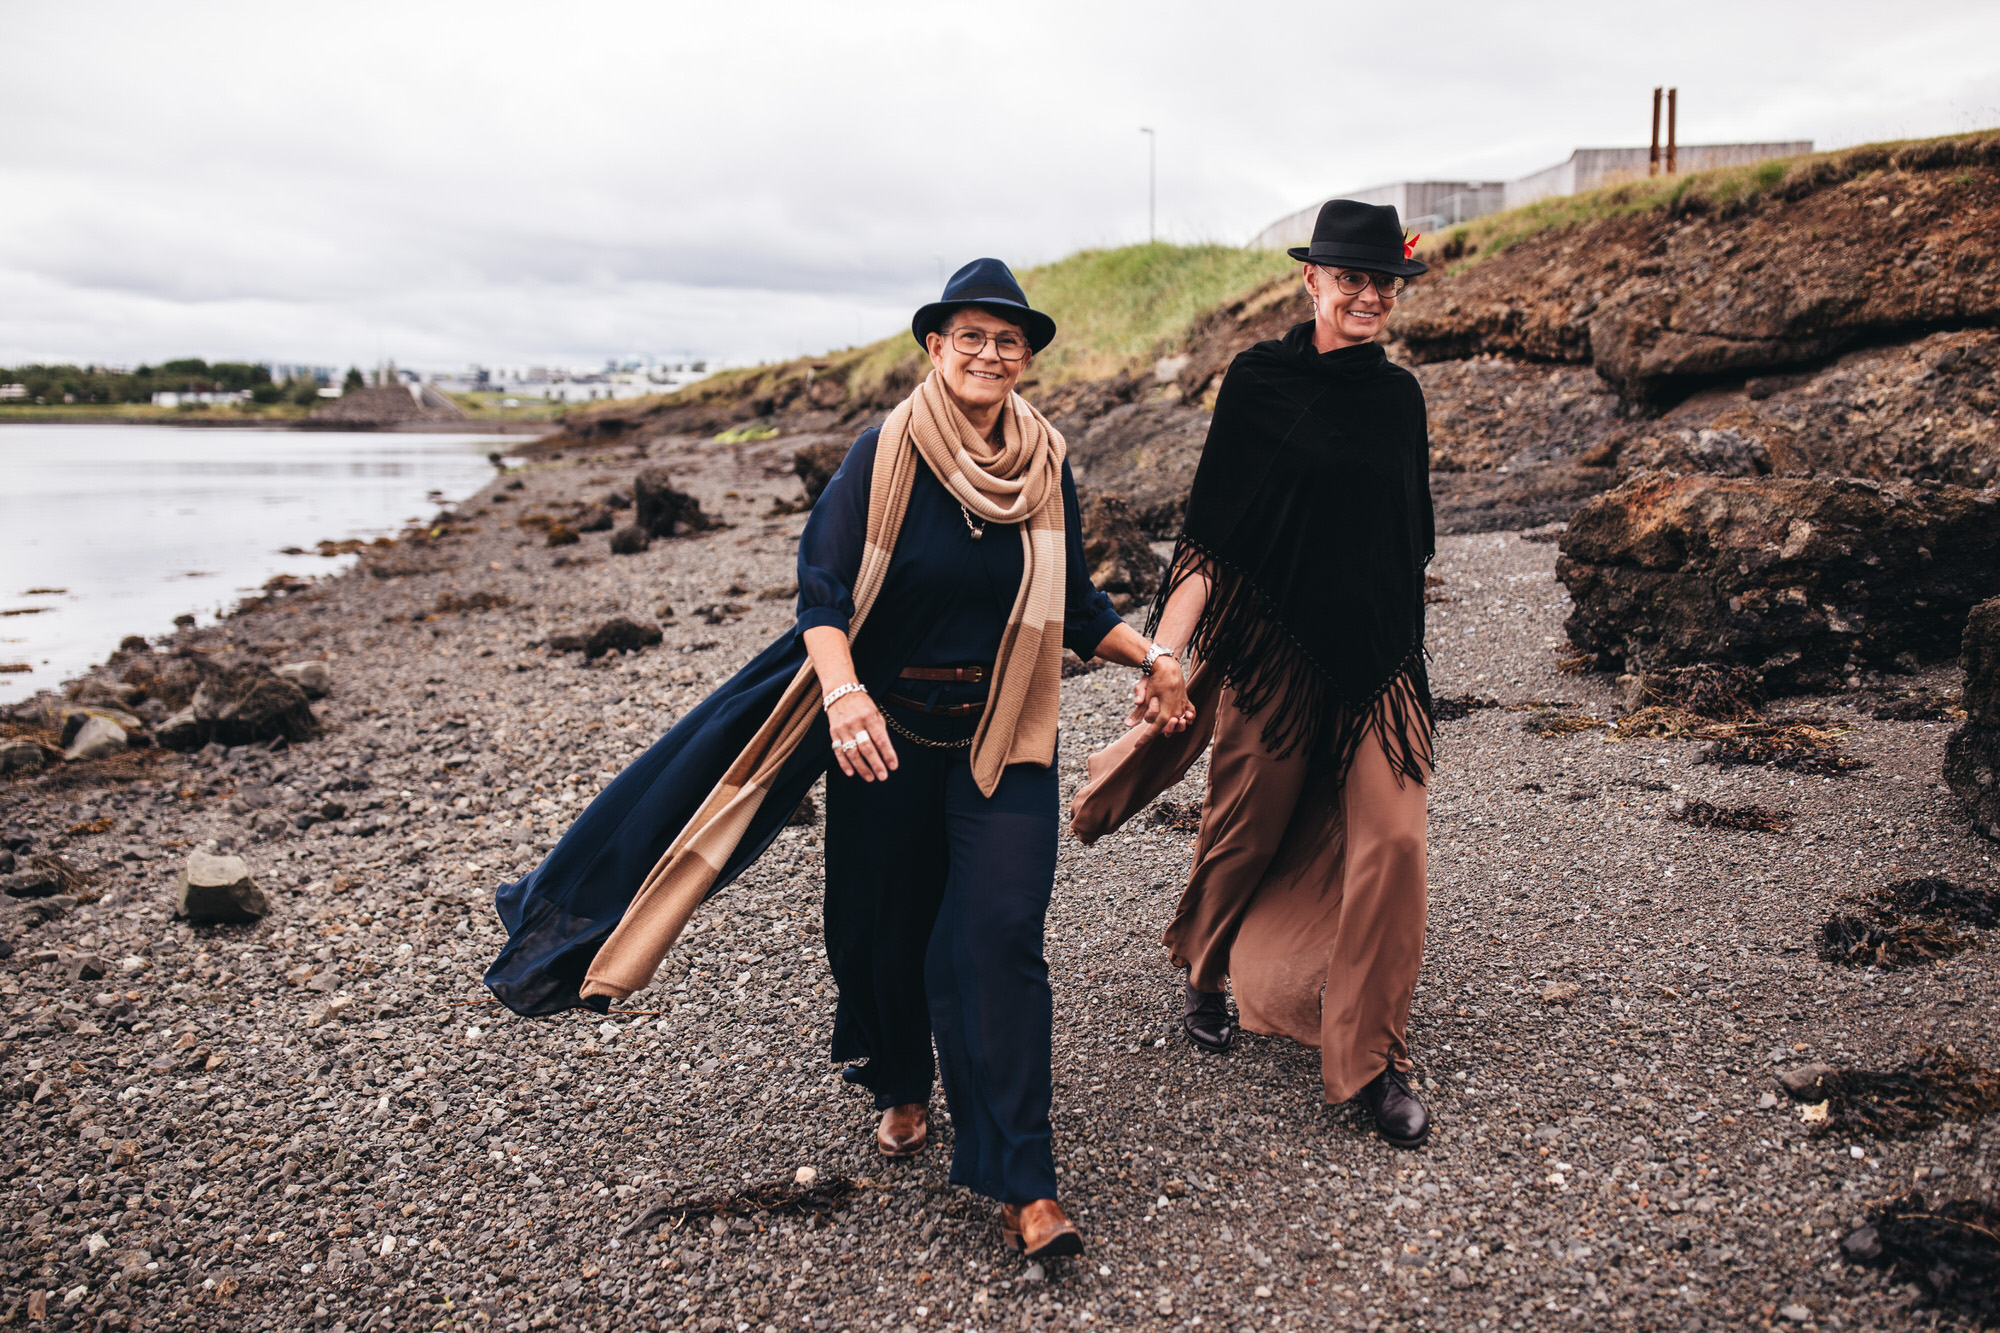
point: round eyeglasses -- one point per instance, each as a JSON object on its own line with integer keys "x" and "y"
{"x": 1352, "y": 282}
{"x": 1006, "y": 346}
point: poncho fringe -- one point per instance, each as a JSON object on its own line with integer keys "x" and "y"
{"x": 1240, "y": 635}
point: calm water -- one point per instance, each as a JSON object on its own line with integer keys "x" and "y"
{"x": 113, "y": 530}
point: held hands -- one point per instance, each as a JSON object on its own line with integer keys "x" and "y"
{"x": 855, "y": 718}
{"x": 1160, "y": 701}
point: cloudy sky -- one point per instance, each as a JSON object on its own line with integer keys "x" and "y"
{"x": 510, "y": 183}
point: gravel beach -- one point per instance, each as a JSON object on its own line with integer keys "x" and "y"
{"x": 317, "y": 1121}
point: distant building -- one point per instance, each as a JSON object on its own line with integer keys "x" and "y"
{"x": 1422, "y": 205}
{"x": 1431, "y": 206}
{"x": 1594, "y": 168}
{"x": 223, "y": 398}
{"x": 13, "y": 391}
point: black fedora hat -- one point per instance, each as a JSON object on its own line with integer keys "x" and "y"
{"x": 1351, "y": 234}
{"x": 988, "y": 283}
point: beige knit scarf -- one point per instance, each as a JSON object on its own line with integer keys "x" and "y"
{"x": 1019, "y": 480}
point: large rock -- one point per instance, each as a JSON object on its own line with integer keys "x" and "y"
{"x": 311, "y": 677}
{"x": 251, "y": 703}
{"x": 220, "y": 889}
{"x": 97, "y": 738}
{"x": 19, "y": 756}
{"x": 1807, "y": 581}
{"x": 1837, "y": 253}
{"x": 1972, "y": 755}
{"x": 815, "y": 465}
{"x": 663, "y": 511}
{"x": 1118, "y": 554}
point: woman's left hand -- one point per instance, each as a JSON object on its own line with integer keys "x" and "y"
{"x": 1160, "y": 701}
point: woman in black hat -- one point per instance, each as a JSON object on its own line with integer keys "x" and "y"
{"x": 940, "y": 577}
{"x": 1297, "y": 591}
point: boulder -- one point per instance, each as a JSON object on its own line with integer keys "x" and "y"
{"x": 97, "y": 738}
{"x": 19, "y": 756}
{"x": 630, "y": 540}
{"x": 219, "y": 889}
{"x": 815, "y": 465}
{"x": 311, "y": 677}
{"x": 180, "y": 731}
{"x": 1972, "y": 754}
{"x": 599, "y": 519}
{"x": 620, "y": 635}
{"x": 1118, "y": 554}
{"x": 246, "y": 704}
{"x": 661, "y": 510}
{"x": 1807, "y": 581}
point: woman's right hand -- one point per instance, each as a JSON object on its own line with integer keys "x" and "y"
{"x": 854, "y": 717}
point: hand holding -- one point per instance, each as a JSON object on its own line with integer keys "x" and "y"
{"x": 1160, "y": 702}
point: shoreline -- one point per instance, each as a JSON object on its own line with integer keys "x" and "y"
{"x": 444, "y": 1150}
{"x": 452, "y": 426}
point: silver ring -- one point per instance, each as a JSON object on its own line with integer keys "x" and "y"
{"x": 845, "y": 745}
{"x": 860, "y": 738}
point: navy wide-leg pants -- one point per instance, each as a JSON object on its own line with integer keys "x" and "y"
{"x": 935, "y": 900}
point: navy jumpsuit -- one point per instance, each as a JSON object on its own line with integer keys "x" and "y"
{"x": 935, "y": 894}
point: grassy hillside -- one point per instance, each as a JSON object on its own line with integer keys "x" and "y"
{"x": 1722, "y": 192}
{"x": 1115, "y": 310}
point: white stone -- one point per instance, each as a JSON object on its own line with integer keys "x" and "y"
{"x": 99, "y": 738}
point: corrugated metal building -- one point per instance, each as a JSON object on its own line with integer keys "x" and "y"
{"x": 1429, "y": 206}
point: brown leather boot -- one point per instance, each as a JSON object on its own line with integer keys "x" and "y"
{"x": 1039, "y": 1229}
{"x": 904, "y": 1130}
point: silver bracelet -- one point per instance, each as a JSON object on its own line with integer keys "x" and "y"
{"x": 852, "y": 687}
{"x": 1154, "y": 652}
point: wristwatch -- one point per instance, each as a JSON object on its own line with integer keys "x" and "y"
{"x": 1153, "y": 653}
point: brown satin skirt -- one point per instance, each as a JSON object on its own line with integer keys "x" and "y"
{"x": 1311, "y": 900}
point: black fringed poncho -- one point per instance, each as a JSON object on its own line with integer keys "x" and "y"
{"x": 1311, "y": 516}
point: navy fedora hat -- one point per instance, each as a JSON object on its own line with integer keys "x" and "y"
{"x": 1351, "y": 234}
{"x": 988, "y": 283}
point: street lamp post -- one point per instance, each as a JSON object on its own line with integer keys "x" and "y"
{"x": 1152, "y": 179}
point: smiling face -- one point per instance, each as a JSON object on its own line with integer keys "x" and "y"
{"x": 1341, "y": 320}
{"x": 981, "y": 382}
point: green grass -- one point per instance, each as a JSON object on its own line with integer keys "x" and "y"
{"x": 1115, "y": 310}
{"x": 1122, "y": 309}
{"x": 1723, "y": 192}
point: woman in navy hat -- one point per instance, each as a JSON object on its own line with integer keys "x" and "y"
{"x": 1297, "y": 591}
{"x": 940, "y": 577}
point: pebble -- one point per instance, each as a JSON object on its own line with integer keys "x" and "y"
{"x": 234, "y": 1103}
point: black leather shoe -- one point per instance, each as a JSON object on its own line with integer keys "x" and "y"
{"x": 1399, "y": 1116}
{"x": 1207, "y": 1020}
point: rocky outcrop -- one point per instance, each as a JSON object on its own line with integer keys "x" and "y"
{"x": 241, "y": 704}
{"x": 1119, "y": 554}
{"x": 662, "y": 511}
{"x": 815, "y": 465}
{"x": 1920, "y": 410}
{"x": 1663, "y": 300}
{"x": 386, "y": 405}
{"x": 1972, "y": 755}
{"x": 1808, "y": 581}
{"x": 219, "y": 890}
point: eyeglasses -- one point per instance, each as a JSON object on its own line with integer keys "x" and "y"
{"x": 1006, "y": 346}
{"x": 1353, "y": 283}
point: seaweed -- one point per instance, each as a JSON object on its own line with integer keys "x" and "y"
{"x": 1917, "y": 1096}
{"x": 1454, "y": 707}
{"x": 1175, "y": 816}
{"x": 1909, "y": 921}
{"x": 1749, "y": 818}
{"x": 783, "y": 1198}
{"x": 1949, "y": 1249}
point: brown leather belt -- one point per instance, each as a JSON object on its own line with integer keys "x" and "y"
{"x": 948, "y": 710}
{"x": 945, "y": 673}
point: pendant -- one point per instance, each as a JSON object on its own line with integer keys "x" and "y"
{"x": 977, "y": 530}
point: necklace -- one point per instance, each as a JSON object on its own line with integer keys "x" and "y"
{"x": 977, "y": 530}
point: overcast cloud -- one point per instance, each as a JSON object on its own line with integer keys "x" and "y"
{"x": 560, "y": 184}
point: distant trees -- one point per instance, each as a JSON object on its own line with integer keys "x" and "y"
{"x": 353, "y": 380}
{"x": 95, "y": 384}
